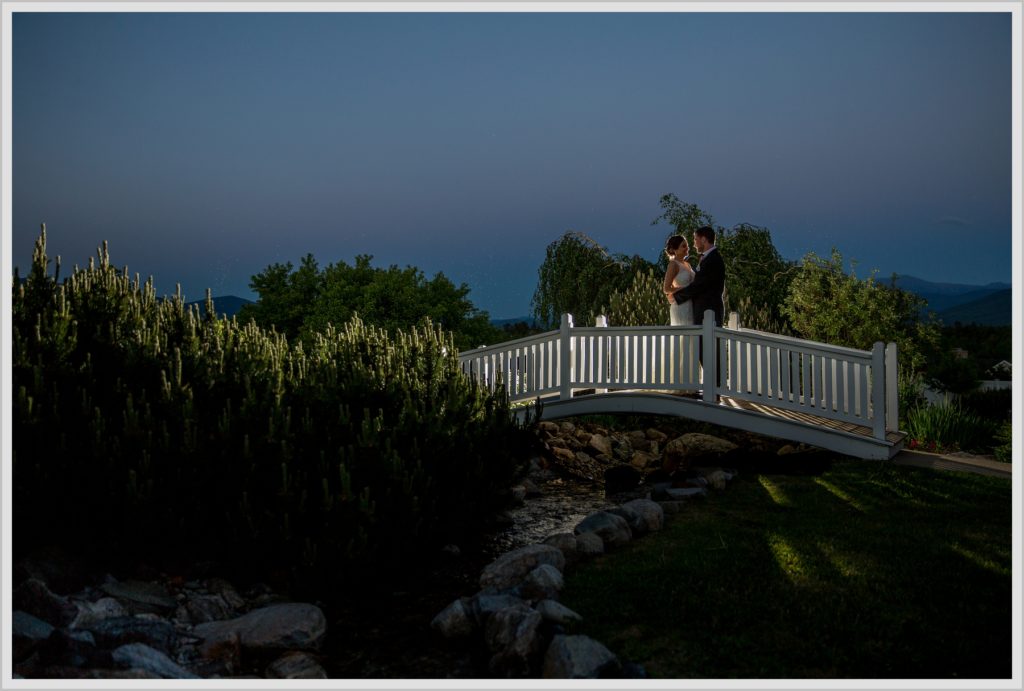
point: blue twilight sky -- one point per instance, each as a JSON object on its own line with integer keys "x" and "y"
{"x": 205, "y": 147}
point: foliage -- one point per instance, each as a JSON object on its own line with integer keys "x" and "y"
{"x": 1004, "y": 443}
{"x": 947, "y": 372}
{"x": 994, "y": 404}
{"x": 641, "y": 304}
{"x": 684, "y": 217}
{"x": 304, "y": 301}
{"x": 757, "y": 277}
{"x": 985, "y": 346}
{"x": 865, "y": 571}
{"x": 948, "y": 427}
{"x": 827, "y": 305}
{"x": 578, "y": 276}
{"x": 141, "y": 428}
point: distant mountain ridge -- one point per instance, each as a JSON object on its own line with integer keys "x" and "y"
{"x": 991, "y": 310}
{"x": 989, "y": 305}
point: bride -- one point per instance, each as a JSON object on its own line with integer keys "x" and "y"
{"x": 678, "y": 275}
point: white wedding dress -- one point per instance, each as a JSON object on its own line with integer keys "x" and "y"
{"x": 681, "y": 315}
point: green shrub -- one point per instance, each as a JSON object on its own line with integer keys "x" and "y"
{"x": 949, "y": 427}
{"x": 1004, "y": 438}
{"x": 141, "y": 428}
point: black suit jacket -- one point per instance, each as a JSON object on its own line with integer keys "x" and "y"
{"x": 706, "y": 289}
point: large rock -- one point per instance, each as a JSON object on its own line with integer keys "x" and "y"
{"x": 296, "y": 665}
{"x": 484, "y": 605}
{"x": 36, "y": 599}
{"x": 613, "y": 530}
{"x": 91, "y": 612}
{"x": 141, "y": 656}
{"x": 693, "y": 449}
{"x": 508, "y": 570}
{"x": 118, "y": 631}
{"x": 27, "y": 632}
{"x": 544, "y": 582}
{"x": 600, "y": 444}
{"x": 589, "y": 544}
{"x": 288, "y": 626}
{"x": 513, "y": 635}
{"x": 455, "y": 620}
{"x": 579, "y": 657}
{"x": 556, "y": 612}
{"x": 204, "y": 608}
{"x": 641, "y": 460}
{"x": 141, "y": 596}
{"x": 652, "y": 515}
{"x": 636, "y": 522}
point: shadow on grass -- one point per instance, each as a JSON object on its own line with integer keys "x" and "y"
{"x": 862, "y": 571}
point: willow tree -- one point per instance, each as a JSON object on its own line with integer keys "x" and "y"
{"x": 578, "y": 276}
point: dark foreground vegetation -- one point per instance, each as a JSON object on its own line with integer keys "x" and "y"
{"x": 144, "y": 431}
{"x": 861, "y": 570}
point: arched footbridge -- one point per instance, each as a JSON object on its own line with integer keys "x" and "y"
{"x": 837, "y": 398}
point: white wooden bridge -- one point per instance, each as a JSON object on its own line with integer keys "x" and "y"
{"x": 828, "y": 396}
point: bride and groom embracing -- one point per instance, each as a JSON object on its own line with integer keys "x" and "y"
{"x": 690, "y": 292}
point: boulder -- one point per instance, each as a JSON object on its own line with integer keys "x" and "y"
{"x": 692, "y": 449}
{"x": 117, "y": 631}
{"x": 141, "y": 656}
{"x": 547, "y": 426}
{"x": 287, "y": 626}
{"x": 296, "y": 665}
{"x": 514, "y": 636}
{"x": 641, "y": 460}
{"x": 92, "y": 612}
{"x": 589, "y": 544}
{"x": 141, "y": 596}
{"x": 600, "y": 444}
{"x": 613, "y": 530}
{"x": 635, "y": 521}
{"x": 204, "y": 608}
{"x": 454, "y": 620}
{"x": 33, "y": 597}
{"x": 544, "y": 582}
{"x": 219, "y": 586}
{"x": 652, "y": 515}
{"x": 556, "y": 612}
{"x": 27, "y": 632}
{"x": 508, "y": 570}
{"x": 656, "y": 435}
{"x": 483, "y": 605}
{"x": 578, "y": 657}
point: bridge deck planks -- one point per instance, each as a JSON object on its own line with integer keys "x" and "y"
{"x": 797, "y": 416}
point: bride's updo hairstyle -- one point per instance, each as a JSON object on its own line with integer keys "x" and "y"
{"x": 674, "y": 242}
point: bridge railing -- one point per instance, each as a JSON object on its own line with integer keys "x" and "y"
{"x": 844, "y": 384}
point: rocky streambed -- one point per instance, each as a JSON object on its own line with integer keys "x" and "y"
{"x": 71, "y": 621}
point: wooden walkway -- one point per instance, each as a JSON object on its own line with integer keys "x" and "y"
{"x": 799, "y": 416}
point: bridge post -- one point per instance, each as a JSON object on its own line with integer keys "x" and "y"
{"x": 892, "y": 397}
{"x": 601, "y": 369}
{"x": 710, "y": 348}
{"x": 565, "y": 358}
{"x": 878, "y": 387}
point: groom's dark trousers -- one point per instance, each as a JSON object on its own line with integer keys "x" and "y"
{"x": 706, "y": 292}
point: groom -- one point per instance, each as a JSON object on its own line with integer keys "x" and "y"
{"x": 708, "y": 283}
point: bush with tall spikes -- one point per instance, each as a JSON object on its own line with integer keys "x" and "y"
{"x": 141, "y": 427}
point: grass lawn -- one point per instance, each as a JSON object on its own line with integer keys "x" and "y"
{"x": 865, "y": 570}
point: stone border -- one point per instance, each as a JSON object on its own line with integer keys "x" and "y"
{"x": 516, "y": 614}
